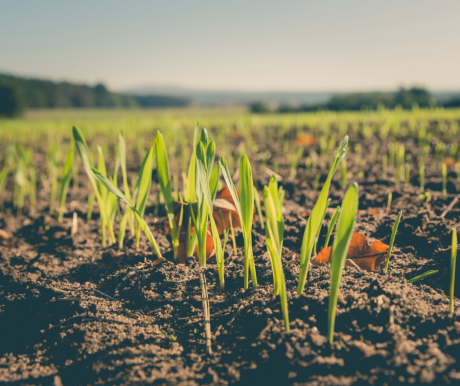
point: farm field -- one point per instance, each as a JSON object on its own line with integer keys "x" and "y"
{"x": 85, "y": 297}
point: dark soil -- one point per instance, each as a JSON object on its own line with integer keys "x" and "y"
{"x": 76, "y": 313}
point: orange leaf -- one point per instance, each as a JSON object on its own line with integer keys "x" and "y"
{"x": 369, "y": 211}
{"x": 365, "y": 256}
{"x": 306, "y": 140}
{"x": 449, "y": 161}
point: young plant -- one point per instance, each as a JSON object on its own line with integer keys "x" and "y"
{"x": 65, "y": 182}
{"x": 142, "y": 188}
{"x": 453, "y": 260}
{"x": 259, "y": 211}
{"x": 340, "y": 246}
{"x": 117, "y": 192}
{"x": 392, "y": 240}
{"x": 422, "y": 276}
{"x": 315, "y": 219}
{"x": 164, "y": 180}
{"x": 207, "y": 178}
{"x": 274, "y": 232}
{"x": 331, "y": 226}
{"x": 122, "y": 153}
{"x": 245, "y": 208}
{"x": 444, "y": 179}
{"x": 87, "y": 162}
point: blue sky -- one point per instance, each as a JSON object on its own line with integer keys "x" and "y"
{"x": 239, "y": 45}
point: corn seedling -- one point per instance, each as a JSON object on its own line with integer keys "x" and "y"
{"x": 259, "y": 211}
{"x": 65, "y": 182}
{"x": 164, "y": 180}
{"x": 340, "y": 246}
{"x": 118, "y": 193}
{"x": 389, "y": 199}
{"x": 331, "y": 226}
{"x": 86, "y": 160}
{"x": 453, "y": 260}
{"x": 245, "y": 208}
{"x": 315, "y": 219}
{"x": 274, "y": 232}
{"x": 207, "y": 177}
{"x": 392, "y": 240}
{"x": 444, "y": 179}
{"x": 422, "y": 276}
{"x": 384, "y": 166}
{"x": 422, "y": 176}
{"x": 122, "y": 153}
{"x": 320, "y": 226}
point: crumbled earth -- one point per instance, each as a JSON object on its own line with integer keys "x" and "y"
{"x": 73, "y": 312}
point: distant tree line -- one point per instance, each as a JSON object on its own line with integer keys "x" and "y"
{"x": 406, "y": 98}
{"x": 17, "y": 94}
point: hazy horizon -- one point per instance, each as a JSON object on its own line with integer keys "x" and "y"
{"x": 257, "y": 46}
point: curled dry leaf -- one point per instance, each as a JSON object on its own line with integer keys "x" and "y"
{"x": 449, "y": 161}
{"x": 369, "y": 211}
{"x": 366, "y": 256}
{"x": 306, "y": 140}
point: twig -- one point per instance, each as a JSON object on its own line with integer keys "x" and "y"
{"x": 236, "y": 314}
{"x": 74, "y": 224}
{"x": 448, "y": 209}
{"x": 272, "y": 173}
{"x": 206, "y": 313}
{"x": 352, "y": 263}
{"x": 107, "y": 296}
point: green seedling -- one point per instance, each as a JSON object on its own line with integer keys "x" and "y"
{"x": 384, "y": 166}
{"x": 390, "y": 198}
{"x": 444, "y": 179}
{"x": 86, "y": 160}
{"x": 340, "y": 246}
{"x": 453, "y": 260}
{"x": 259, "y": 211}
{"x": 316, "y": 182}
{"x": 207, "y": 177}
{"x": 320, "y": 226}
{"x": 392, "y": 240}
{"x": 117, "y": 192}
{"x": 122, "y": 153}
{"x": 235, "y": 251}
{"x": 164, "y": 180}
{"x": 274, "y": 232}
{"x": 142, "y": 187}
{"x": 422, "y": 276}
{"x": 245, "y": 208}
{"x": 65, "y": 182}
{"x": 315, "y": 219}
{"x": 343, "y": 173}
{"x": 331, "y": 226}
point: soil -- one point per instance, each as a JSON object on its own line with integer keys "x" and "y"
{"x": 76, "y": 313}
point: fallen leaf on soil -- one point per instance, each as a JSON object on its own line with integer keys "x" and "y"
{"x": 449, "y": 161}
{"x": 306, "y": 140}
{"x": 365, "y": 256}
{"x": 369, "y": 211}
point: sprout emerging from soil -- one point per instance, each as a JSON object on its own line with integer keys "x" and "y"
{"x": 274, "y": 232}
{"x": 245, "y": 208}
{"x": 392, "y": 240}
{"x": 453, "y": 260}
{"x": 422, "y": 276}
{"x": 315, "y": 219}
{"x": 340, "y": 246}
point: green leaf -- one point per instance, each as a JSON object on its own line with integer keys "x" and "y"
{"x": 117, "y": 192}
{"x": 246, "y": 194}
{"x": 315, "y": 220}
{"x": 190, "y": 192}
{"x": 422, "y": 276}
{"x": 66, "y": 177}
{"x": 392, "y": 240}
{"x": 340, "y": 246}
